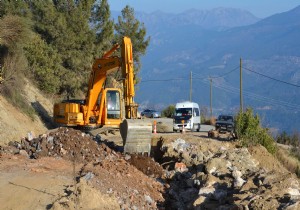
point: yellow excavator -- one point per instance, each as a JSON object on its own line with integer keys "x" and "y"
{"x": 109, "y": 107}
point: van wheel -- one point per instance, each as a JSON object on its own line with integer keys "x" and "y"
{"x": 194, "y": 128}
{"x": 198, "y": 129}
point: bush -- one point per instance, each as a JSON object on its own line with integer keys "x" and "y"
{"x": 169, "y": 111}
{"x": 250, "y": 132}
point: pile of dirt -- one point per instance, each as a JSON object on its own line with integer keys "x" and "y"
{"x": 63, "y": 142}
{"x": 109, "y": 172}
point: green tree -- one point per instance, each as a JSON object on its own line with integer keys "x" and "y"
{"x": 169, "y": 111}
{"x": 103, "y": 26}
{"x": 129, "y": 26}
{"x": 16, "y": 8}
{"x": 14, "y": 34}
{"x": 250, "y": 132}
{"x": 44, "y": 62}
{"x": 64, "y": 25}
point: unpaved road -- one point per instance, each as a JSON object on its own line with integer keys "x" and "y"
{"x": 32, "y": 184}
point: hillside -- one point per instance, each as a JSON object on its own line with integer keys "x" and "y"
{"x": 14, "y": 124}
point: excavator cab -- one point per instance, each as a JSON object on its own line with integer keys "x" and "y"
{"x": 113, "y": 104}
{"x": 110, "y": 109}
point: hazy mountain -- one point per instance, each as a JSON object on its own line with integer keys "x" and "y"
{"x": 211, "y": 43}
{"x": 219, "y": 18}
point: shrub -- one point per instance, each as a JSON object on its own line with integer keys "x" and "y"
{"x": 169, "y": 111}
{"x": 250, "y": 132}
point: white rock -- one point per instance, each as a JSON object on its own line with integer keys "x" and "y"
{"x": 239, "y": 182}
{"x": 293, "y": 191}
{"x": 206, "y": 191}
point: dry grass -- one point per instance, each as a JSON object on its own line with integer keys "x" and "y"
{"x": 213, "y": 120}
{"x": 290, "y": 162}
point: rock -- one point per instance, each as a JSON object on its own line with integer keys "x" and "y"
{"x": 207, "y": 191}
{"x": 293, "y": 206}
{"x": 238, "y": 182}
{"x": 200, "y": 200}
{"x": 24, "y": 153}
{"x": 148, "y": 199}
{"x": 220, "y": 195}
{"x": 127, "y": 157}
{"x": 63, "y": 151}
{"x": 30, "y": 136}
{"x": 180, "y": 167}
{"x": 294, "y": 192}
{"x": 89, "y": 176}
{"x": 217, "y": 166}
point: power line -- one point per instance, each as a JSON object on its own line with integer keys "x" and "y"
{"x": 164, "y": 80}
{"x": 226, "y": 73}
{"x": 256, "y": 97}
{"x": 272, "y": 78}
{"x": 223, "y": 75}
{"x": 201, "y": 77}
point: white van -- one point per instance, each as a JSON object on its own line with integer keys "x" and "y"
{"x": 189, "y": 113}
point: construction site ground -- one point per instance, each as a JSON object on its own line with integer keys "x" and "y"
{"x": 190, "y": 171}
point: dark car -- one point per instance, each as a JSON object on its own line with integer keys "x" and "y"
{"x": 150, "y": 113}
{"x": 225, "y": 123}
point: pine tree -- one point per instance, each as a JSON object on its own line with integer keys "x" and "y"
{"x": 129, "y": 26}
{"x": 103, "y": 26}
{"x": 65, "y": 26}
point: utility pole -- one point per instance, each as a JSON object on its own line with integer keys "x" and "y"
{"x": 241, "y": 87}
{"x": 210, "y": 97}
{"x": 191, "y": 84}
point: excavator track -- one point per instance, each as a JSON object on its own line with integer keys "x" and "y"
{"x": 136, "y": 135}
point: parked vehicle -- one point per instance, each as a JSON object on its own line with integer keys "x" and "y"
{"x": 150, "y": 113}
{"x": 225, "y": 123}
{"x": 186, "y": 114}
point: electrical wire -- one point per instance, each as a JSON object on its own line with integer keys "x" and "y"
{"x": 223, "y": 75}
{"x": 272, "y": 78}
{"x": 164, "y": 80}
{"x": 256, "y": 97}
{"x": 234, "y": 90}
{"x": 201, "y": 77}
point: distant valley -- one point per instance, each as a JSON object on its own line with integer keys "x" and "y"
{"x": 210, "y": 44}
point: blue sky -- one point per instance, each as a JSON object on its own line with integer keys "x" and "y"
{"x": 260, "y": 8}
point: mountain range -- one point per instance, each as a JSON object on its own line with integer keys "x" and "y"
{"x": 188, "y": 49}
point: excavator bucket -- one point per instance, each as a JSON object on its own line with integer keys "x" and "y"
{"x": 136, "y": 135}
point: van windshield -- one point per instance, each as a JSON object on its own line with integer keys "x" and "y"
{"x": 183, "y": 112}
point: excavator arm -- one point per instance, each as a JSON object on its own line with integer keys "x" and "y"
{"x": 128, "y": 83}
{"x": 101, "y": 68}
